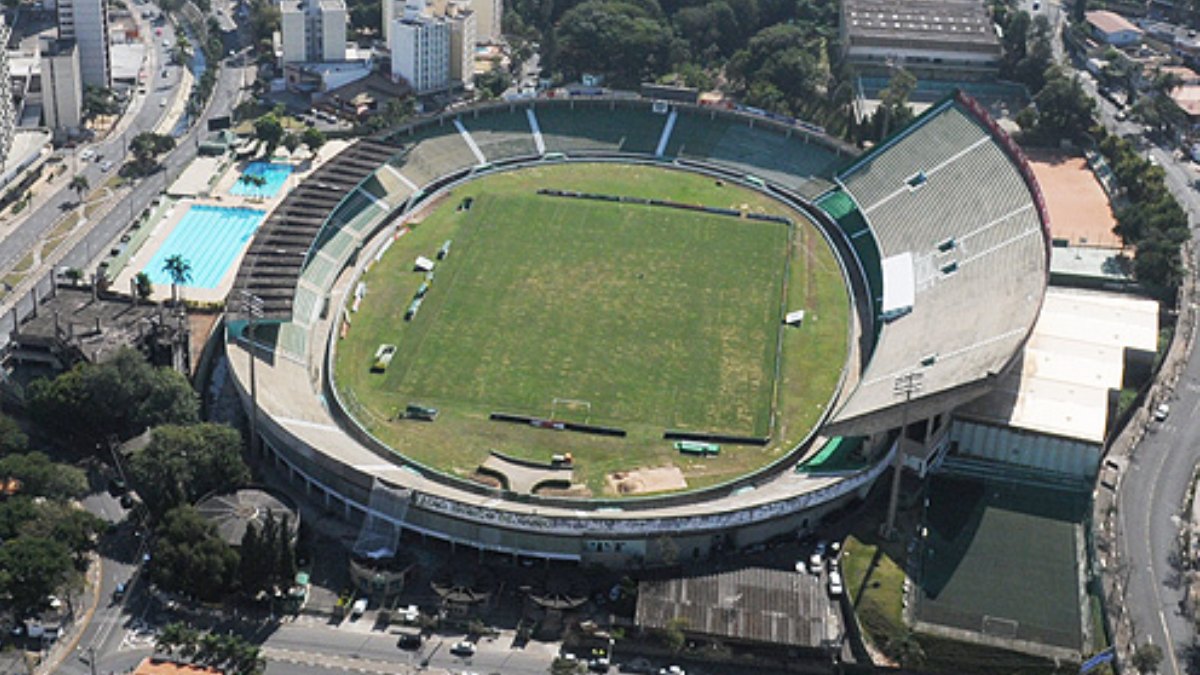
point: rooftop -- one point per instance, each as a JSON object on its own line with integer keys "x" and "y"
{"x": 1075, "y": 357}
{"x": 963, "y": 21}
{"x": 752, "y": 604}
{"x": 1110, "y": 22}
{"x": 153, "y": 666}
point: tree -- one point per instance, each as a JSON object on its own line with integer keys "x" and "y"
{"x": 673, "y": 635}
{"x": 190, "y": 558}
{"x": 31, "y": 569}
{"x": 1147, "y": 658}
{"x": 79, "y": 184}
{"x": 183, "y": 463}
{"x": 628, "y": 42}
{"x": 143, "y": 286}
{"x": 180, "y": 270}
{"x": 74, "y": 528}
{"x": 146, "y": 147}
{"x": 42, "y": 478}
{"x": 12, "y": 439}
{"x": 118, "y": 398}
{"x": 291, "y": 141}
{"x": 269, "y": 130}
{"x": 493, "y": 83}
{"x": 253, "y": 181}
{"x": 313, "y": 138}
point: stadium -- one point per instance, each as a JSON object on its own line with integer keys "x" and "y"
{"x": 624, "y": 332}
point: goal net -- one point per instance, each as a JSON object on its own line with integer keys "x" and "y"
{"x": 571, "y": 408}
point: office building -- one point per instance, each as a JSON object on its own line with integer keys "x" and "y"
{"x": 932, "y": 39}
{"x": 313, "y": 31}
{"x": 86, "y": 22}
{"x": 62, "y": 85}
{"x": 420, "y": 47}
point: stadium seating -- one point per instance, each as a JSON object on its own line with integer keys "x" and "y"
{"x": 501, "y": 133}
{"x": 599, "y": 126}
{"x": 975, "y": 236}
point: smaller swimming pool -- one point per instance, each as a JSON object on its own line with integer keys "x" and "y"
{"x": 209, "y": 238}
{"x": 274, "y": 174}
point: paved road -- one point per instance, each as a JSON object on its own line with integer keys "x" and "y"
{"x": 1154, "y": 485}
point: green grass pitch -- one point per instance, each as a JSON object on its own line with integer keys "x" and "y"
{"x": 658, "y": 318}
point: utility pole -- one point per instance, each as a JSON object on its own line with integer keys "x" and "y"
{"x": 252, "y": 306}
{"x": 904, "y": 385}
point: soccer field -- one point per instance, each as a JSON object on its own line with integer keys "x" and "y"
{"x": 647, "y": 318}
{"x": 650, "y": 314}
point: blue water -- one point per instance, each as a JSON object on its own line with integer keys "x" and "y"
{"x": 275, "y": 175}
{"x": 209, "y": 238}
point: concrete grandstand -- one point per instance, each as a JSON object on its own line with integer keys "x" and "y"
{"x": 927, "y": 225}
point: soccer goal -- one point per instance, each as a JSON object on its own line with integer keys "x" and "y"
{"x": 574, "y": 407}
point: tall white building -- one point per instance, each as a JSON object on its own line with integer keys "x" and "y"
{"x": 420, "y": 47}
{"x": 487, "y": 19}
{"x": 313, "y": 31}
{"x": 8, "y": 116}
{"x": 86, "y": 22}
{"x": 462, "y": 43}
{"x": 62, "y": 85}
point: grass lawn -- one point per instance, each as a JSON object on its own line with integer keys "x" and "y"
{"x": 658, "y": 318}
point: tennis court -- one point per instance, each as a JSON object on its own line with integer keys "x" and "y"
{"x": 1002, "y": 559}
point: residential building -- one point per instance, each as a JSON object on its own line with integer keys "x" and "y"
{"x": 487, "y": 19}
{"x": 62, "y": 85}
{"x": 463, "y": 26}
{"x": 932, "y": 39}
{"x": 313, "y": 31}
{"x": 86, "y": 22}
{"x": 420, "y": 48}
{"x": 1113, "y": 29}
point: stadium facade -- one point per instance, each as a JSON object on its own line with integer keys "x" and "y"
{"x": 942, "y": 234}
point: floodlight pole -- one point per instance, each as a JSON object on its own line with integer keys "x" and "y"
{"x": 905, "y": 384}
{"x": 252, "y": 306}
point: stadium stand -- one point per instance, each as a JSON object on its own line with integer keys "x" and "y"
{"x": 273, "y": 263}
{"x": 606, "y": 126}
{"x": 949, "y": 192}
{"x": 501, "y": 133}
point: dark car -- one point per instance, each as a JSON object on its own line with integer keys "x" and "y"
{"x": 116, "y": 486}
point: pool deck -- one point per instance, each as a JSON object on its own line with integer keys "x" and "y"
{"x": 218, "y": 195}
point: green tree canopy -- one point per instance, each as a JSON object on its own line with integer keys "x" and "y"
{"x": 31, "y": 569}
{"x": 627, "y": 42}
{"x": 183, "y": 463}
{"x": 42, "y": 478}
{"x": 121, "y": 397}
{"x": 269, "y": 130}
{"x": 190, "y": 558}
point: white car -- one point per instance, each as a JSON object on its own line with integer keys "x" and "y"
{"x": 106, "y": 166}
{"x": 86, "y": 154}
{"x": 464, "y": 648}
{"x": 835, "y": 583}
{"x": 1161, "y": 412}
{"x": 817, "y": 559}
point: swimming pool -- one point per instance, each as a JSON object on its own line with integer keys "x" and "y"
{"x": 274, "y": 174}
{"x": 209, "y": 238}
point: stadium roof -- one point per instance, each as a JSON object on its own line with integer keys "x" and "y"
{"x": 1074, "y": 359}
{"x": 957, "y": 194}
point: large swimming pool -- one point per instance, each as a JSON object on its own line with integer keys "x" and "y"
{"x": 209, "y": 238}
{"x": 275, "y": 176}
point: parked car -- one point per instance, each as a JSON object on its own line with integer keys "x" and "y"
{"x": 1161, "y": 412}
{"x": 463, "y": 648}
{"x": 817, "y": 559}
{"x": 835, "y": 583}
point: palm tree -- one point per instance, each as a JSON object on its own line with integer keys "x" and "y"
{"x": 80, "y": 185}
{"x": 180, "y": 270}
